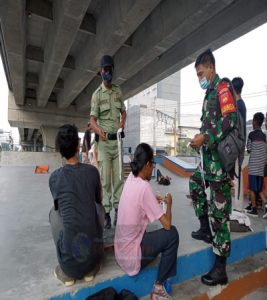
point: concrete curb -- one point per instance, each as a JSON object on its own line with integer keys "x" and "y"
{"x": 188, "y": 266}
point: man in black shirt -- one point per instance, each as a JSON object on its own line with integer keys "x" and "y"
{"x": 238, "y": 86}
{"x": 238, "y": 201}
{"x": 76, "y": 228}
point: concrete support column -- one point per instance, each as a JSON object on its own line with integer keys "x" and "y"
{"x": 34, "y": 144}
{"x": 49, "y": 135}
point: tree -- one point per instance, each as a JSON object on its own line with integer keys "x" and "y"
{"x": 184, "y": 149}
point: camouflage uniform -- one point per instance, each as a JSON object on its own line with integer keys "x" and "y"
{"x": 214, "y": 127}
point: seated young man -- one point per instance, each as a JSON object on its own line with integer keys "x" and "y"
{"x": 134, "y": 247}
{"x": 76, "y": 229}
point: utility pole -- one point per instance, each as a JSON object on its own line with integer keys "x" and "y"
{"x": 266, "y": 111}
{"x": 154, "y": 125}
{"x": 174, "y": 130}
{"x": 179, "y": 114}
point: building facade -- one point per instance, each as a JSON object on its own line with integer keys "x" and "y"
{"x": 153, "y": 117}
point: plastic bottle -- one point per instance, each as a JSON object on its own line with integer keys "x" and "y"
{"x": 168, "y": 286}
{"x": 163, "y": 205}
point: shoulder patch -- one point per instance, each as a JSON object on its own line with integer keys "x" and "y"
{"x": 227, "y": 102}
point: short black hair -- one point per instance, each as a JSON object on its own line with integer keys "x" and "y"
{"x": 67, "y": 140}
{"x": 238, "y": 83}
{"x": 205, "y": 58}
{"x": 142, "y": 155}
{"x": 258, "y": 118}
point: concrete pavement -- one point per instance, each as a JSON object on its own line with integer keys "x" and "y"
{"x": 27, "y": 252}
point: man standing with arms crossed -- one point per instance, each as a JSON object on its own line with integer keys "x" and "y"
{"x": 218, "y": 117}
{"x": 107, "y": 116}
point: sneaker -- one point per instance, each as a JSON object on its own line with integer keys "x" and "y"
{"x": 91, "y": 275}
{"x": 159, "y": 293}
{"x": 60, "y": 275}
{"x": 248, "y": 208}
{"x": 107, "y": 223}
{"x": 265, "y": 212}
{"x": 115, "y": 217}
{"x": 253, "y": 212}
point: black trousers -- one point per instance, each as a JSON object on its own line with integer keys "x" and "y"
{"x": 165, "y": 242}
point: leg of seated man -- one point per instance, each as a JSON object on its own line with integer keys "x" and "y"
{"x": 165, "y": 242}
{"x": 55, "y": 221}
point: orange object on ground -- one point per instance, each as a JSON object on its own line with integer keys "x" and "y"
{"x": 41, "y": 169}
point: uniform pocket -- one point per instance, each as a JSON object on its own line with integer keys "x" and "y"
{"x": 104, "y": 109}
{"x": 117, "y": 104}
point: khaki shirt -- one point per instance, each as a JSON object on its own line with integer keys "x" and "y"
{"x": 107, "y": 106}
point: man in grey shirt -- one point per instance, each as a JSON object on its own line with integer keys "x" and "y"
{"x": 76, "y": 229}
{"x": 257, "y": 148}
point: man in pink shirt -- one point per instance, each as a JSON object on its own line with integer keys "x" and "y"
{"x": 134, "y": 247}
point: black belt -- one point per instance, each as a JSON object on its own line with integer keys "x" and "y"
{"x": 111, "y": 136}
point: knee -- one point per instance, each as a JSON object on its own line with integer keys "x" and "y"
{"x": 51, "y": 214}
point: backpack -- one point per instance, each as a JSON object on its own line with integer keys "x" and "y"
{"x": 110, "y": 293}
{"x": 164, "y": 181}
{"x": 232, "y": 146}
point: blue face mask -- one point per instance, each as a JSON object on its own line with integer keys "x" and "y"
{"x": 107, "y": 76}
{"x": 204, "y": 83}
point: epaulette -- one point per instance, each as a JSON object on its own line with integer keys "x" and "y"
{"x": 96, "y": 93}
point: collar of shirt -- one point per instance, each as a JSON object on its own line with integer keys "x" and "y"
{"x": 214, "y": 83}
{"x": 105, "y": 89}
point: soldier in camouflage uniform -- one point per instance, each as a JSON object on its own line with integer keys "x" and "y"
{"x": 218, "y": 117}
{"x": 107, "y": 116}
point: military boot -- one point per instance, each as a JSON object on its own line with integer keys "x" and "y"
{"x": 204, "y": 232}
{"x": 107, "y": 223}
{"x": 115, "y": 217}
{"x": 217, "y": 275}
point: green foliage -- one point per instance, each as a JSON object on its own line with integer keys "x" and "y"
{"x": 183, "y": 149}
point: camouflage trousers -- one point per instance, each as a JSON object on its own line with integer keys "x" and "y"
{"x": 218, "y": 208}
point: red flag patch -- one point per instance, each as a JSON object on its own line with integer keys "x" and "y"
{"x": 227, "y": 102}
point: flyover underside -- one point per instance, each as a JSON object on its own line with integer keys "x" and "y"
{"x": 51, "y": 49}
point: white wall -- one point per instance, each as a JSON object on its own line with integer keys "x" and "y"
{"x": 14, "y": 158}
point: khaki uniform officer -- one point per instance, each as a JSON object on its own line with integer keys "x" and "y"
{"x": 107, "y": 116}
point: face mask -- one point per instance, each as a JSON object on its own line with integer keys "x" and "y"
{"x": 204, "y": 83}
{"x": 107, "y": 76}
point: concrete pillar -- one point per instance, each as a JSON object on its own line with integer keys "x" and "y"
{"x": 49, "y": 135}
{"x": 34, "y": 143}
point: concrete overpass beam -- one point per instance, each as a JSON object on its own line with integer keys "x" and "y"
{"x": 118, "y": 20}
{"x": 40, "y": 8}
{"x": 33, "y": 117}
{"x": 67, "y": 19}
{"x": 13, "y": 29}
{"x": 242, "y": 16}
{"x": 170, "y": 21}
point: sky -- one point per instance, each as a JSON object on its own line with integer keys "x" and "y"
{"x": 244, "y": 57}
